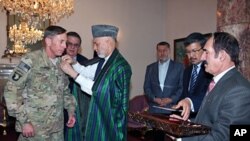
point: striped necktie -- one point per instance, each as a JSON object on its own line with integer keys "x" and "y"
{"x": 193, "y": 78}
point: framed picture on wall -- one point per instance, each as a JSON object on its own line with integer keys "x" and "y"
{"x": 179, "y": 50}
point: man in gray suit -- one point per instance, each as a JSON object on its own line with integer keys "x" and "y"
{"x": 163, "y": 80}
{"x": 228, "y": 102}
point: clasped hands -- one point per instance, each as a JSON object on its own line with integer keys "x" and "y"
{"x": 162, "y": 101}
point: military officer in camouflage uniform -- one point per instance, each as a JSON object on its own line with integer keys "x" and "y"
{"x": 37, "y": 91}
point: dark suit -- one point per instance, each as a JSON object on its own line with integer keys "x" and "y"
{"x": 172, "y": 84}
{"x": 228, "y": 103}
{"x": 83, "y": 100}
{"x": 200, "y": 88}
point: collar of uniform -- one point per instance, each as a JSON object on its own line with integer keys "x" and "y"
{"x": 47, "y": 59}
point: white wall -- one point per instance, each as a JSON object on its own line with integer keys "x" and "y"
{"x": 3, "y": 37}
{"x": 187, "y": 16}
{"x": 142, "y": 23}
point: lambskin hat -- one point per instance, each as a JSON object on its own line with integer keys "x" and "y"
{"x": 104, "y": 31}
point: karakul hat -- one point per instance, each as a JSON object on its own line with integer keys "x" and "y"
{"x": 104, "y": 31}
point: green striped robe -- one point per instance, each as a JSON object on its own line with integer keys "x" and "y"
{"x": 107, "y": 117}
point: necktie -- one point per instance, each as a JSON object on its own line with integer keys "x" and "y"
{"x": 211, "y": 86}
{"x": 193, "y": 78}
{"x": 99, "y": 67}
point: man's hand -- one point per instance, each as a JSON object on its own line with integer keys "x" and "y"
{"x": 165, "y": 101}
{"x": 71, "y": 121}
{"x": 186, "y": 108}
{"x": 157, "y": 100}
{"x": 68, "y": 59}
{"x": 28, "y": 130}
{"x": 67, "y": 68}
{"x": 162, "y": 101}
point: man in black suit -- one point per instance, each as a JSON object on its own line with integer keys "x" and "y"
{"x": 163, "y": 80}
{"x": 77, "y": 132}
{"x": 227, "y": 100}
{"x": 195, "y": 79}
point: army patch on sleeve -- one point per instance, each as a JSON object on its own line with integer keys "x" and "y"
{"x": 16, "y": 76}
{"x": 23, "y": 66}
{"x": 20, "y": 73}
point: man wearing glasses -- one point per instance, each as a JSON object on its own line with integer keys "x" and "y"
{"x": 195, "y": 79}
{"x": 77, "y": 132}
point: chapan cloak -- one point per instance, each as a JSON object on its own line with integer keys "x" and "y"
{"x": 107, "y": 116}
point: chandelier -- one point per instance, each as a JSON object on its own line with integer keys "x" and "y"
{"x": 38, "y": 10}
{"x": 22, "y": 35}
{"x": 33, "y": 12}
{"x": 25, "y": 34}
{"x": 18, "y": 48}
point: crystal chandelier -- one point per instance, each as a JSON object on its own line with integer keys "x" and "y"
{"x": 25, "y": 34}
{"x": 18, "y": 48}
{"x": 38, "y": 10}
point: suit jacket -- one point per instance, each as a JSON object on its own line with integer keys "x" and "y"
{"x": 227, "y": 104}
{"x": 76, "y": 133}
{"x": 172, "y": 84}
{"x": 200, "y": 88}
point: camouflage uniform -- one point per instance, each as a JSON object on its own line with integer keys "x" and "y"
{"x": 37, "y": 92}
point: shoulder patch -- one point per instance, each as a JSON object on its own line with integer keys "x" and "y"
{"x": 16, "y": 76}
{"x": 23, "y": 66}
{"x": 19, "y": 74}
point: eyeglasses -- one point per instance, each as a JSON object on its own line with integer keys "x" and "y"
{"x": 69, "y": 44}
{"x": 193, "y": 51}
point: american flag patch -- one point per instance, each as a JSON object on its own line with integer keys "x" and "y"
{"x": 23, "y": 66}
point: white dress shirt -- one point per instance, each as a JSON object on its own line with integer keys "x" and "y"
{"x": 163, "y": 69}
{"x": 87, "y": 75}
